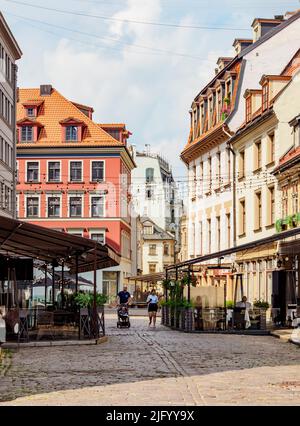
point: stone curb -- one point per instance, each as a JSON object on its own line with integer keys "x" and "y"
{"x": 56, "y": 344}
{"x": 285, "y": 338}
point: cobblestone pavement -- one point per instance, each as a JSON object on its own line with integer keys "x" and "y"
{"x": 143, "y": 366}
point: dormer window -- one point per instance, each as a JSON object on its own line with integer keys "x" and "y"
{"x": 28, "y": 130}
{"x": 72, "y": 129}
{"x": 248, "y": 109}
{"x": 71, "y": 133}
{"x": 265, "y": 96}
{"x": 27, "y": 134}
{"x": 30, "y": 112}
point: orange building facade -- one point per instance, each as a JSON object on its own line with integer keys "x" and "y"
{"x": 74, "y": 175}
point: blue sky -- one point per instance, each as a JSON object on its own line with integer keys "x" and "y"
{"x": 151, "y": 89}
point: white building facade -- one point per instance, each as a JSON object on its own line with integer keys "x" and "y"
{"x": 154, "y": 192}
{"x": 216, "y": 114}
{"x": 9, "y": 53}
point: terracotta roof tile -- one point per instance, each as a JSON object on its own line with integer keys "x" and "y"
{"x": 55, "y": 109}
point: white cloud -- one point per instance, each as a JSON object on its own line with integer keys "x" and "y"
{"x": 150, "y": 92}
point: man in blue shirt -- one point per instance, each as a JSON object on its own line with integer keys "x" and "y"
{"x": 123, "y": 296}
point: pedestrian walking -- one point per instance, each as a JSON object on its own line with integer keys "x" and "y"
{"x": 152, "y": 301}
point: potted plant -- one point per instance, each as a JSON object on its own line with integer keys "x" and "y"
{"x": 261, "y": 304}
{"x": 279, "y": 225}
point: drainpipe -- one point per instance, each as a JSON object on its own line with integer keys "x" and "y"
{"x": 229, "y": 148}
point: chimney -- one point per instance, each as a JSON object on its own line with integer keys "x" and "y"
{"x": 289, "y": 14}
{"x": 45, "y": 90}
{"x": 132, "y": 150}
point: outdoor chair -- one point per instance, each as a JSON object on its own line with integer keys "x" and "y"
{"x": 23, "y": 333}
{"x": 45, "y": 324}
{"x": 209, "y": 319}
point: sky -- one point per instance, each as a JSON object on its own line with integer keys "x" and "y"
{"x": 141, "y": 74}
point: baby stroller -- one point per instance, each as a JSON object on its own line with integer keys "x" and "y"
{"x": 123, "y": 316}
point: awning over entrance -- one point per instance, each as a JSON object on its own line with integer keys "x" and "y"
{"x": 289, "y": 247}
{"x": 22, "y": 239}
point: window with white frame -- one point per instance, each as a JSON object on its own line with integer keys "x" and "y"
{"x": 97, "y": 206}
{"x": 53, "y": 171}
{"x": 54, "y": 207}
{"x": 75, "y": 171}
{"x": 99, "y": 237}
{"x": 97, "y": 171}
{"x": 75, "y": 206}
{"x": 33, "y": 171}
{"x": 27, "y": 134}
{"x": 32, "y": 207}
{"x": 30, "y": 112}
{"x": 72, "y": 133}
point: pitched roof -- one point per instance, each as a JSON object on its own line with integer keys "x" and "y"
{"x": 158, "y": 234}
{"x": 55, "y": 109}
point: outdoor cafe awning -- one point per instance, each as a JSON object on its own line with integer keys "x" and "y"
{"x": 23, "y": 239}
{"x": 160, "y": 276}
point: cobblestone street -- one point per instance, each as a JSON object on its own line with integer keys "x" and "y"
{"x": 142, "y": 366}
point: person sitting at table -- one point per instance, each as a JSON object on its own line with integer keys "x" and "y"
{"x": 243, "y": 303}
{"x": 246, "y": 305}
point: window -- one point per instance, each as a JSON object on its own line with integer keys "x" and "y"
{"x": 228, "y": 220}
{"x": 27, "y": 134}
{"x": 166, "y": 249}
{"x": 219, "y": 169}
{"x": 265, "y": 96}
{"x": 285, "y": 201}
{"x": 148, "y": 230}
{"x": 30, "y": 112}
{"x": 271, "y": 138}
{"x": 194, "y": 181}
{"x": 219, "y": 104}
{"x": 53, "y": 207}
{"x": 72, "y": 133}
{"x": 149, "y": 193}
{"x": 152, "y": 268}
{"x": 295, "y": 198}
{"x": 272, "y": 206}
{"x": 257, "y": 155}
{"x": 211, "y": 107}
{"x": 195, "y": 124}
{"x": 54, "y": 171}
{"x": 202, "y": 115}
{"x": 201, "y": 237}
{"x": 149, "y": 175}
{"x": 201, "y": 178}
{"x": 75, "y": 206}
{"x": 97, "y": 206}
{"x": 209, "y": 235}
{"x": 97, "y": 171}
{"x": 99, "y": 237}
{"x": 228, "y": 166}
{"x": 32, "y": 172}
{"x": 152, "y": 250}
{"x": 75, "y": 171}
{"x": 258, "y": 213}
{"x": 242, "y": 217}
{"x": 241, "y": 164}
{"x": 218, "y": 221}
{"x": 209, "y": 173}
{"x": 248, "y": 109}
{"x": 32, "y": 207}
